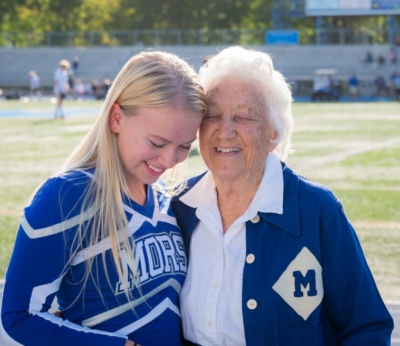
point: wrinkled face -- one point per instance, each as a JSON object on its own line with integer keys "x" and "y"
{"x": 235, "y": 134}
{"x": 153, "y": 140}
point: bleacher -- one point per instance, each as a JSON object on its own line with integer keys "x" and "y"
{"x": 296, "y": 62}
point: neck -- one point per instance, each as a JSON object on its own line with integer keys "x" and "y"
{"x": 235, "y": 198}
{"x": 137, "y": 194}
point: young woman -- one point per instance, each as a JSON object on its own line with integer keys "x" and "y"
{"x": 100, "y": 235}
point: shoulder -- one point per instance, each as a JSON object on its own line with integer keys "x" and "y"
{"x": 58, "y": 198}
{"x": 65, "y": 184}
{"x": 189, "y": 184}
{"x": 180, "y": 208}
{"x": 193, "y": 181}
{"x": 310, "y": 193}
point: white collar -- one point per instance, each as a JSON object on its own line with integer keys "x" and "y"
{"x": 268, "y": 198}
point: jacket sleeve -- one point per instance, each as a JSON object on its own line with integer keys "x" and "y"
{"x": 351, "y": 298}
{"x": 35, "y": 272}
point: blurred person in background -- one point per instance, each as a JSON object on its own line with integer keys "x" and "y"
{"x": 273, "y": 259}
{"x": 79, "y": 88}
{"x": 353, "y": 87}
{"x": 369, "y": 58}
{"x": 380, "y": 84}
{"x": 71, "y": 79}
{"x": 88, "y": 88}
{"x": 100, "y": 235}
{"x": 61, "y": 87}
{"x": 34, "y": 84}
{"x": 104, "y": 88}
{"x": 75, "y": 64}
{"x": 95, "y": 88}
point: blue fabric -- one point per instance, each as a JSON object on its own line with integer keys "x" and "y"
{"x": 39, "y": 270}
{"x": 312, "y": 231}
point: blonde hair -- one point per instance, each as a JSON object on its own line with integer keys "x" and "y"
{"x": 64, "y": 63}
{"x": 257, "y": 68}
{"x": 149, "y": 79}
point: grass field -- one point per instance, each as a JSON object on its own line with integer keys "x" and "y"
{"x": 354, "y": 149}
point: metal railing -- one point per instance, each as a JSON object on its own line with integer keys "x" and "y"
{"x": 192, "y": 37}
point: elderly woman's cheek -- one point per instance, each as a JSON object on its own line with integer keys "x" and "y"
{"x": 258, "y": 155}
{"x": 260, "y": 146}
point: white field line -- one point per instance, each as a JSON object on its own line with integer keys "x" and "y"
{"x": 337, "y": 157}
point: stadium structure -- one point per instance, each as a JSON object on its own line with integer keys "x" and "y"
{"x": 340, "y": 50}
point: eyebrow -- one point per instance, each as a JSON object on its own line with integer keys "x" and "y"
{"x": 244, "y": 106}
{"x": 238, "y": 107}
{"x": 167, "y": 141}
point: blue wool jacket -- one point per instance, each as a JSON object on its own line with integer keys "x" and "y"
{"x": 305, "y": 280}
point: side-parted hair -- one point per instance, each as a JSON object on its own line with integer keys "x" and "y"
{"x": 244, "y": 65}
{"x": 149, "y": 79}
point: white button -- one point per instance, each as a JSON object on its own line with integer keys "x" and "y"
{"x": 255, "y": 219}
{"x": 209, "y": 324}
{"x": 215, "y": 285}
{"x": 250, "y": 258}
{"x": 251, "y": 304}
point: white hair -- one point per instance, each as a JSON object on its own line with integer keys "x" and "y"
{"x": 245, "y": 65}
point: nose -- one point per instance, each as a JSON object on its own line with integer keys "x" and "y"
{"x": 226, "y": 128}
{"x": 168, "y": 159}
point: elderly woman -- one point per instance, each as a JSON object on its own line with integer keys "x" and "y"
{"x": 273, "y": 260}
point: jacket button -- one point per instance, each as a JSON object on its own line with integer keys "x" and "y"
{"x": 255, "y": 219}
{"x": 251, "y": 304}
{"x": 250, "y": 258}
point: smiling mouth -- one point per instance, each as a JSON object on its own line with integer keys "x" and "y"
{"x": 227, "y": 150}
{"x": 153, "y": 168}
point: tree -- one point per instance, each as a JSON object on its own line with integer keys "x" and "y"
{"x": 39, "y": 16}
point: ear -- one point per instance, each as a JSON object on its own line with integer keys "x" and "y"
{"x": 272, "y": 145}
{"x": 115, "y": 118}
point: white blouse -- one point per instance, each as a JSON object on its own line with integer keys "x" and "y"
{"x": 211, "y": 297}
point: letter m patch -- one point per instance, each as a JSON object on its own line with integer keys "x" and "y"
{"x": 300, "y": 285}
{"x": 305, "y": 281}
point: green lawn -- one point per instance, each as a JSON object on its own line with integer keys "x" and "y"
{"x": 354, "y": 149}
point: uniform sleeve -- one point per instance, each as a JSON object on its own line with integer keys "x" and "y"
{"x": 351, "y": 297}
{"x": 35, "y": 272}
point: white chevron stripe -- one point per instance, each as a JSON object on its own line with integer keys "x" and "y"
{"x": 57, "y": 228}
{"x": 60, "y": 322}
{"x": 166, "y": 218}
{"x": 134, "y": 224}
{"x": 90, "y": 322}
{"x": 40, "y": 294}
{"x": 38, "y": 298}
{"x": 90, "y": 175}
{"x": 153, "y": 314}
{"x": 7, "y": 338}
{"x": 91, "y": 251}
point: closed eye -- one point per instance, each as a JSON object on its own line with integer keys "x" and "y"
{"x": 243, "y": 119}
{"x": 210, "y": 117}
{"x": 155, "y": 145}
{"x": 186, "y": 147}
